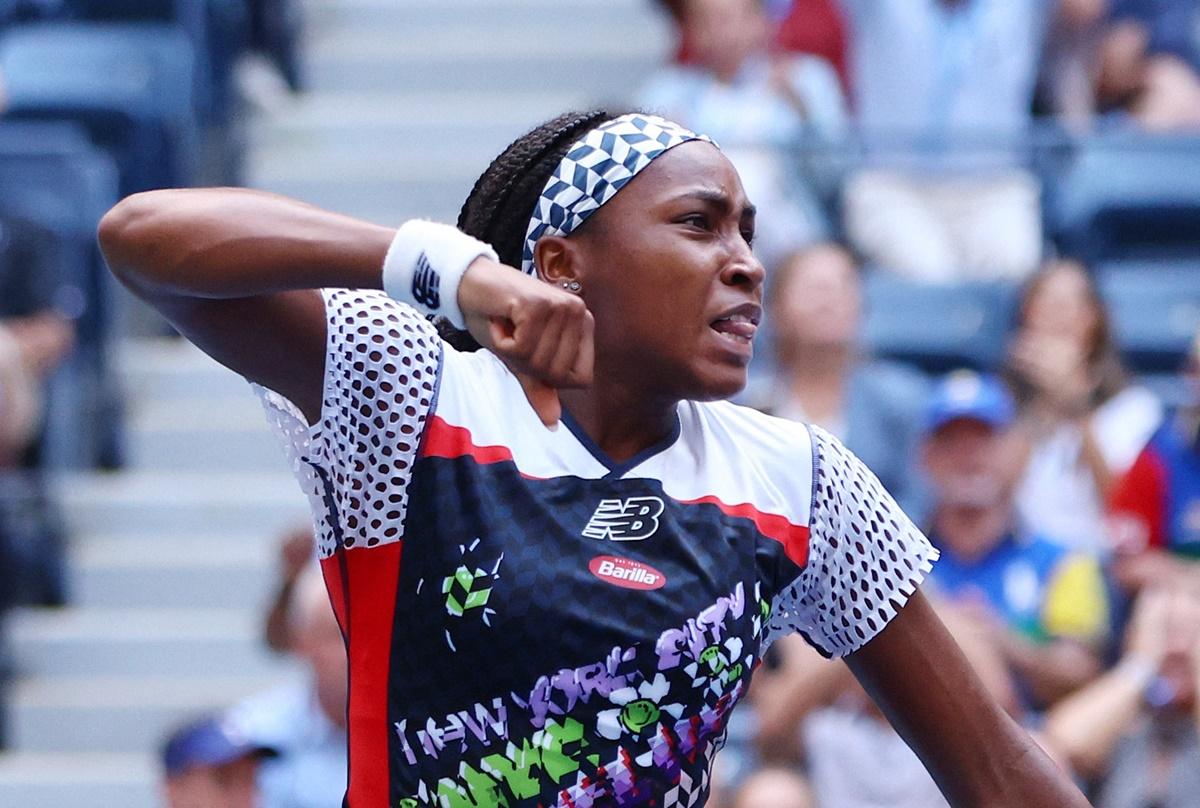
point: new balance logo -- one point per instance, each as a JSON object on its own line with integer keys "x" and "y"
{"x": 426, "y": 283}
{"x": 625, "y": 519}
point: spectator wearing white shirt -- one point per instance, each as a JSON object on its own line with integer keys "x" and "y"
{"x": 943, "y": 92}
{"x": 1083, "y": 420}
{"x": 754, "y": 103}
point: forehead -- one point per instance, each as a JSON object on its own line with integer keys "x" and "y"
{"x": 694, "y": 165}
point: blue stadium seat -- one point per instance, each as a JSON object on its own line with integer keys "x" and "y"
{"x": 130, "y": 85}
{"x": 1155, "y": 310}
{"x": 1130, "y": 196}
{"x": 937, "y": 327}
{"x": 217, "y": 29}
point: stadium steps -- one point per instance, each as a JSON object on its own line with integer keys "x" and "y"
{"x": 412, "y": 98}
{"x": 172, "y": 562}
{"x": 173, "y": 559}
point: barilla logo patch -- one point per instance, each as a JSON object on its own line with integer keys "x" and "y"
{"x": 626, "y": 573}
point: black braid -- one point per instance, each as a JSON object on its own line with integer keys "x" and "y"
{"x": 499, "y": 206}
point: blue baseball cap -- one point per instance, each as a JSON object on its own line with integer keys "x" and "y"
{"x": 970, "y": 395}
{"x": 209, "y": 741}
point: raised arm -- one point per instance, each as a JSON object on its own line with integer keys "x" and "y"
{"x": 975, "y": 752}
{"x": 235, "y": 271}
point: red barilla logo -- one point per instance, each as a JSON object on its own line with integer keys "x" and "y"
{"x": 626, "y": 573}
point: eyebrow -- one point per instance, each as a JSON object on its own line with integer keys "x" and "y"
{"x": 718, "y": 198}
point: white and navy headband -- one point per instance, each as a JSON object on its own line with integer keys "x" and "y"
{"x": 595, "y": 167}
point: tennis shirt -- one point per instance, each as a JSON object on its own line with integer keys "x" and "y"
{"x": 529, "y": 623}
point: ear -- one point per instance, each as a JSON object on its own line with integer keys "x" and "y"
{"x": 557, "y": 260}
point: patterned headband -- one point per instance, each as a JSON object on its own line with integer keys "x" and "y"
{"x": 595, "y": 167}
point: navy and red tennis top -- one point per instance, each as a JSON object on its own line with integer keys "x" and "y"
{"x": 529, "y": 623}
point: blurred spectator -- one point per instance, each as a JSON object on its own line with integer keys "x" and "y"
{"x": 816, "y": 27}
{"x": 752, "y": 103}
{"x": 34, "y": 339}
{"x": 208, "y": 763}
{"x": 812, "y": 709}
{"x": 1134, "y": 730}
{"x": 296, "y": 554}
{"x": 774, "y": 788}
{"x": 1069, "y": 61}
{"x": 821, "y": 375}
{"x": 1156, "y": 506}
{"x": 1160, "y": 91}
{"x": 1046, "y": 608}
{"x": 1083, "y": 421}
{"x": 943, "y": 91}
{"x": 1134, "y": 60}
{"x": 304, "y": 721}
{"x": 1172, "y": 26}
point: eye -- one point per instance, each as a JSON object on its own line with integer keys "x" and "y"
{"x": 748, "y": 235}
{"x": 697, "y": 220}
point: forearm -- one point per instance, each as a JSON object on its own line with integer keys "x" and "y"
{"x": 1086, "y": 726}
{"x": 231, "y": 243}
{"x": 976, "y": 753}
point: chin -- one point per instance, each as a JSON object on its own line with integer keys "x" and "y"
{"x": 714, "y": 386}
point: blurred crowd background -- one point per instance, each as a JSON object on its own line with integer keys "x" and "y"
{"x": 981, "y": 223}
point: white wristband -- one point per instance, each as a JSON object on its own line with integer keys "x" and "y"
{"x": 426, "y": 263}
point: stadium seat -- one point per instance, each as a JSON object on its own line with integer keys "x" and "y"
{"x": 1155, "y": 311}
{"x": 217, "y": 29}
{"x": 937, "y": 327}
{"x": 130, "y": 85}
{"x": 1128, "y": 196}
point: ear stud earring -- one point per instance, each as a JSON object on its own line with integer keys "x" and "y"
{"x": 572, "y": 286}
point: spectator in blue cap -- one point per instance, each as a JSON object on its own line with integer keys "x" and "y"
{"x": 209, "y": 763}
{"x": 1045, "y": 608}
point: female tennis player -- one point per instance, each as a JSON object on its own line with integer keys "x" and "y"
{"x": 558, "y": 559}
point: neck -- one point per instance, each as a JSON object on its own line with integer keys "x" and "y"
{"x": 618, "y": 419}
{"x": 970, "y": 531}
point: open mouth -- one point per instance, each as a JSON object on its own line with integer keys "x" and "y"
{"x": 739, "y": 325}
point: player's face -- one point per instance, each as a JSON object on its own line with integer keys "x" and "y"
{"x": 668, "y": 273}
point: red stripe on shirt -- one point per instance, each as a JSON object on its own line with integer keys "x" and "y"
{"x": 446, "y": 440}
{"x": 449, "y": 441}
{"x": 371, "y": 579}
{"x": 794, "y": 538}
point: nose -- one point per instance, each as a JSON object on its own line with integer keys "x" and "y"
{"x": 744, "y": 270}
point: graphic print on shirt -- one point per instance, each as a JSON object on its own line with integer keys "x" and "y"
{"x": 640, "y": 699}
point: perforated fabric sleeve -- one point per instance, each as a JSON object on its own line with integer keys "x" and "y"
{"x": 865, "y": 557}
{"x": 381, "y": 371}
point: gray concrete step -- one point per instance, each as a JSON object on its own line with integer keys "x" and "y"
{"x": 163, "y": 503}
{"x": 118, "y": 713}
{"x": 202, "y": 641}
{"x": 152, "y": 573}
{"x": 411, "y": 20}
{"x": 69, "y": 779}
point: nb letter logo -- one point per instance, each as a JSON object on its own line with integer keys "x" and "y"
{"x": 426, "y": 283}
{"x": 625, "y": 519}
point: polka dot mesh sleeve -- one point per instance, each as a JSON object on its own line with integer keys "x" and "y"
{"x": 865, "y": 556}
{"x": 381, "y": 370}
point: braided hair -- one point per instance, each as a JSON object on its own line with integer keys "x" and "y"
{"x": 499, "y": 206}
